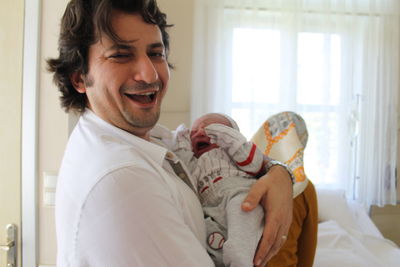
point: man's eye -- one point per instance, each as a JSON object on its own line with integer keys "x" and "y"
{"x": 120, "y": 56}
{"x": 156, "y": 54}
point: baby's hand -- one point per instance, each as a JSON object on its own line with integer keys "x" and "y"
{"x": 182, "y": 140}
{"x": 225, "y": 137}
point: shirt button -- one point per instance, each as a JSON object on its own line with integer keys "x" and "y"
{"x": 169, "y": 155}
{"x": 182, "y": 175}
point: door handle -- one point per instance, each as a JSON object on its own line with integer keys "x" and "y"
{"x": 11, "y": 246}
{"x": 7, "y": 247}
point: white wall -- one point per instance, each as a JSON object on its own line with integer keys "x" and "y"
{"x": 176, "y": 107}
{"x": 53, "y": 125}
{"x": 398, "y": 148}
{"x": 11, "y": 55}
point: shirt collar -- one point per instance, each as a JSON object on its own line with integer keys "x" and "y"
{"x": 154, "y": 149}
{"x": 160, "y": 132}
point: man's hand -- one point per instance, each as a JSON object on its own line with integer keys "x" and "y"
{"x": 274, "y": 192}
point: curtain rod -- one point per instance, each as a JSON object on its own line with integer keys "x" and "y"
{"x": 360, "y": 14}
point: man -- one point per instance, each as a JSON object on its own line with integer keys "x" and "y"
{"x": 122, "y": 198}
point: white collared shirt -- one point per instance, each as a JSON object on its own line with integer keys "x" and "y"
{"x": 119, "y": 203}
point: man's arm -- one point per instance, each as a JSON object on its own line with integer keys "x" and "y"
{"x": 274, "y": 192}
{"x": 131, "y": 219}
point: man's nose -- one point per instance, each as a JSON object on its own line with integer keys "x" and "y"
{"x": 144, "y": 70}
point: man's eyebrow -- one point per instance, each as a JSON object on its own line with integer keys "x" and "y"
{"x": 157, "y": 45}
{"x": 119, "y": 46}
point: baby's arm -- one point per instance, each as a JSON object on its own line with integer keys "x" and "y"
{"x": 183, "y": 148}
{"x": 245, "y": 154}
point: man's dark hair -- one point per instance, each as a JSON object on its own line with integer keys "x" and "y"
{"x": 82, "y": 25}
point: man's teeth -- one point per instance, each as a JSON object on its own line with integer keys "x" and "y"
{"x": 147, "y": 94}
{"x": 145, "y": 97}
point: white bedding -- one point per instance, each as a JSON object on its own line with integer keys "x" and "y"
{"x": 348, "y": 237}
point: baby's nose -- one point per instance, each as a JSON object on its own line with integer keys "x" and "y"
{"x": 199, "y": 132}
{"x": 202, "y": 131}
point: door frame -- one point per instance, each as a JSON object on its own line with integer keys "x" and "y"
{"x": 29, "y": 128}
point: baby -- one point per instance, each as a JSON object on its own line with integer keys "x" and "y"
{"x": 224, "y": 165}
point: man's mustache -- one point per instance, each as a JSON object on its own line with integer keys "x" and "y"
{"x": 142, "y": 86}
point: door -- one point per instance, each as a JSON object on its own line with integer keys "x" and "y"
{"x": 11, "y": 49}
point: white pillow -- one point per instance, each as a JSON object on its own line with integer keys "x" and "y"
{"x": 365, "y": 223}
{"x": 332, "y": 205}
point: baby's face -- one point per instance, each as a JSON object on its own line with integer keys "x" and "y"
{"x": 200, "y": 140}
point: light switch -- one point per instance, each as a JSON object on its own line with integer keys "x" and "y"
{"x": 49, "y": 198}
{"x": 49, "y": 188}
{"x": 50, "y": 180}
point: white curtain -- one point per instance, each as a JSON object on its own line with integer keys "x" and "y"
{"x": 335, "y": 62}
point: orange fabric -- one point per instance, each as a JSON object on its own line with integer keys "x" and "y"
{"x": 299, "y": 249}
{"x": 272, "y": 140}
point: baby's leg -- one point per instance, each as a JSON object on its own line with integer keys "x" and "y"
{"x": 215, "y": 240}
{"x": 244, "y": 233}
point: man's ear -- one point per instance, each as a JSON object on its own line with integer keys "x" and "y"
{"x": 78, "y": 82}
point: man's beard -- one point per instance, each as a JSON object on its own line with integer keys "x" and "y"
{"x": 146, "y": 121}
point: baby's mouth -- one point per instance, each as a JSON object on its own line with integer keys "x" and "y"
{"x": 202, "y": 145}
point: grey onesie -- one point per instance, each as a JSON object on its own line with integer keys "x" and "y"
{"x": 224, "y": 176}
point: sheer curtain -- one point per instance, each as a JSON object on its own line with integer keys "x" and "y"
{"x": 335, "y": 62}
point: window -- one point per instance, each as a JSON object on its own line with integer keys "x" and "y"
{"x": 258, "y": 89}
{"x": 333, "y": 62}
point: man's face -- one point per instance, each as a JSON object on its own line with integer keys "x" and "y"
{"x": 127, "y": 82}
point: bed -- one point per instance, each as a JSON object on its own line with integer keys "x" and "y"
{"x": 348, "y": 237}
{"x": 346, "y": 234}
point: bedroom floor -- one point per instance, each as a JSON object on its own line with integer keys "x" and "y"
{"x": 387, "y": 219}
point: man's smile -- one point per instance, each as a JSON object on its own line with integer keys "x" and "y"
{"x": 143, "y": 97}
